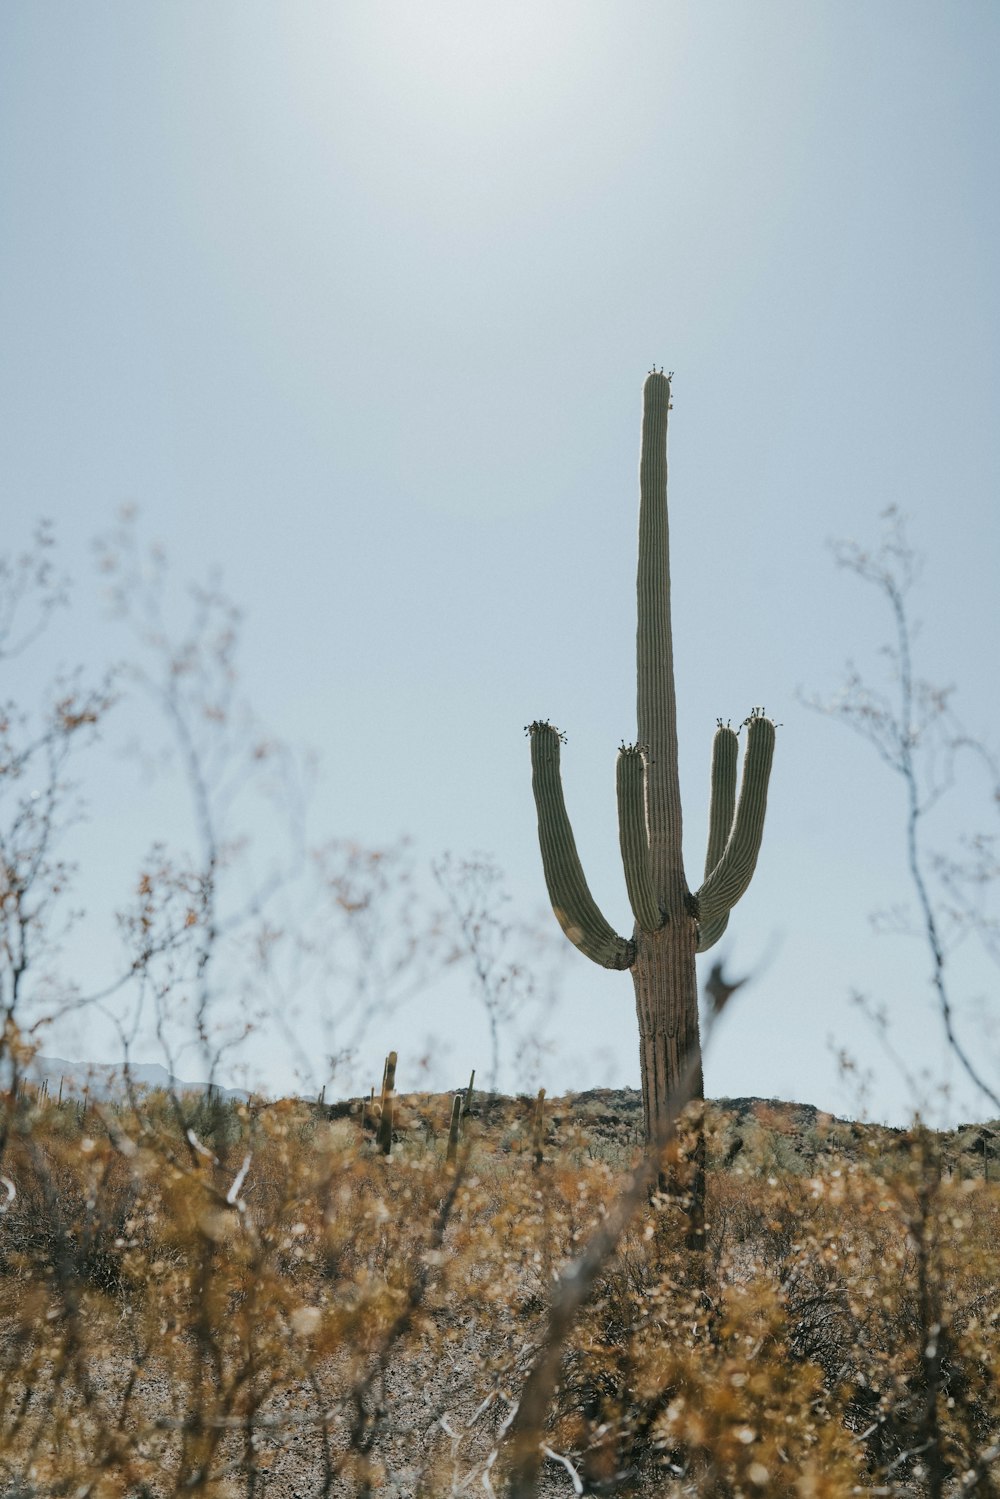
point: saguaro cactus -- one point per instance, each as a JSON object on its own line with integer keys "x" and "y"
{"x": 384, "y": 1136}
{"x": 672, "y": 922}
{"x": 455, "y": 1128}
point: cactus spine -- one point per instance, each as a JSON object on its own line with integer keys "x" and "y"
{"x": 672, "y": 922}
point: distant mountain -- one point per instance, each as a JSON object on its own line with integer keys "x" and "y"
{"x": 106, "y": 1080}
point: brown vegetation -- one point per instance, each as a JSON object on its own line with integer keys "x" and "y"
{"x": 241, "y": 1300}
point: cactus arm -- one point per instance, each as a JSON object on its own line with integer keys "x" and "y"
{"x": 709, "y": 932}
{"x": 725, "y": 751}
{"x": 731, "y": 876}
{"x": 633, "y": 833}
{"x": 575, "y": 908}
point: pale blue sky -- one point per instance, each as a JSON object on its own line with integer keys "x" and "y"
{"x": 356, "y": 301}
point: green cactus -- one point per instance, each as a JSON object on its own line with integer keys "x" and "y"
{"x": 455, "y": 1128}
{"x": 672, "y": 923}
{"x": 384, "y": 1136}
{"x": 538, "y": 1129}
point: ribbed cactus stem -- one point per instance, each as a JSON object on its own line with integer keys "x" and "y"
{"x": 575, "y": 908}
{"x": 384, "y": 1137}
{"x": 633, "y": 833}
{"x": 455, "y": 1127}
{"x": 655, "y": 696}
{"x": 731, "y": 877}
{"x": 722, "y": 805}
{"x": 539, "y": 1129}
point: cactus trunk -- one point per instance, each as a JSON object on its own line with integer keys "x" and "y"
{"x": 666, "y": 1002}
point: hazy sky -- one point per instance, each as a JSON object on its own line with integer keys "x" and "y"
{"x": 356, "y": 301}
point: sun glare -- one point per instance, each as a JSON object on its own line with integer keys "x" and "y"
{"x": 476, "y": 61}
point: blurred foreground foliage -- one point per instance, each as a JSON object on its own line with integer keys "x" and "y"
{"x": 227, "y": 1298}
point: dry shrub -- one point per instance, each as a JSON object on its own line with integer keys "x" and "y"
{"x": 271, "y": 1307}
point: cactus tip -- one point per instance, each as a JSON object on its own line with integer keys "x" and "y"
{"x": 539, "y": 725}
{"x": 756, "y": 714}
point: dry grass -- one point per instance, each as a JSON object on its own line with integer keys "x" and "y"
{"x": 257, "y": 1302}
